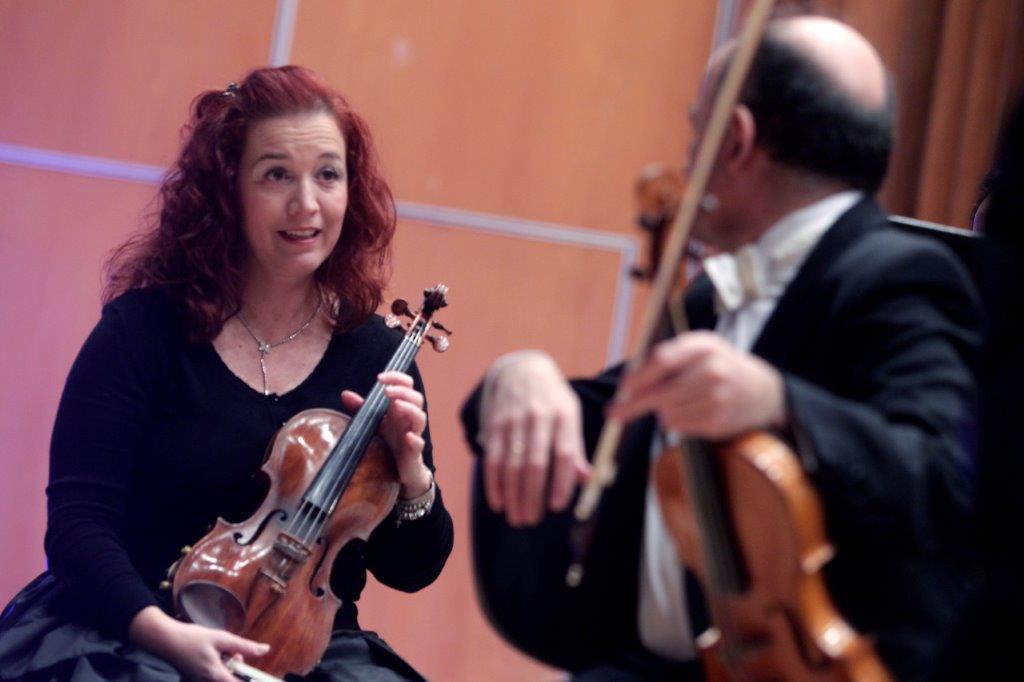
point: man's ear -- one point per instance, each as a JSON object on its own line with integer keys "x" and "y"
{"x": 739, "y": 147}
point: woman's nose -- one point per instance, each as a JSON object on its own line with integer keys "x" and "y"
{"x": 303, "y": 200}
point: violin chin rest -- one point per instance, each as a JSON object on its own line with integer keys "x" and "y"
{"x": 210, "y": 605}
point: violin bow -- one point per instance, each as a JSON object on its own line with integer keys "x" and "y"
{"x": 604, "y": 466}
{"x": 246, "y": 672}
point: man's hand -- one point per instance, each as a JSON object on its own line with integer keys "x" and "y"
{"x": 699, "y": 385}
{"x": 532, "y": 438}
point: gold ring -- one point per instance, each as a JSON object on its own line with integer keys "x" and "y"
{"x": 517, "y": 448}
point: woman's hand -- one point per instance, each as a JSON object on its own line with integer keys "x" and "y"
{"x": 402, "y": 429}
{"x": 197, "y": 652}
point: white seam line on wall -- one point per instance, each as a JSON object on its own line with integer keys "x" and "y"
{"x": 79, "y": 164}
{"x": 551, "y": 233}
{"x": 529, "y": 229}
{"x": 92, "y": 166}
{"x": 284, "y": 32}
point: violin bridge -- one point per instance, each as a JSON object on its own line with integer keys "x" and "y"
{"x": 291, "y": 552}
{"x": 292, "y": 547}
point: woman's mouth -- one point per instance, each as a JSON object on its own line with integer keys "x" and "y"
{"x": 299, "y": 235}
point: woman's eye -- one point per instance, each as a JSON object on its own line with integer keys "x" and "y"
{"x": 330, "y": 173}
{"x": 276, "y": 174}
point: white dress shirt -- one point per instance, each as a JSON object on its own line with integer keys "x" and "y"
{"x": 748, "y": 284}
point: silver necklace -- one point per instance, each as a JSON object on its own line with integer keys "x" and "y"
{"x": 264, "y": 347}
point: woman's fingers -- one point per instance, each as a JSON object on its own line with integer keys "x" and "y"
{"x": 404, "y": 416}
{"x": 228, "y": 643}
{"x": 406, "y": 394}
{"x": 414, "y": 442}
{"x": 351, "y": 400}
{"x": 395, "y": 379}
{"x": 405, "y": 413}
{"x": 404, "y": 422}
{"x": 199, "y": 652}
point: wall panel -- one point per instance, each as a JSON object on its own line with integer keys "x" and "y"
{"x": 53, "y": 238}
{"x": 506, "y": 294}
{"x": 114, "y": 78}
{"x": 544, "y": 110}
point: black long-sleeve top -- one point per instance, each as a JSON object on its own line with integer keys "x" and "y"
{"x": 155, "y": 438}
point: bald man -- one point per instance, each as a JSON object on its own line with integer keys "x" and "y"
{"x": 818, "y": 322}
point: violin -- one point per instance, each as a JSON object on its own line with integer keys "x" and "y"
{"x": 749, "y": 525}
{"x": 658, "y": 191}
{"x": 331, "y": 481}
{"x": 746, "y": 521}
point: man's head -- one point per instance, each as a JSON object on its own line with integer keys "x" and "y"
{"x": 815, "y": 117}
{"x": 821, "y": 101}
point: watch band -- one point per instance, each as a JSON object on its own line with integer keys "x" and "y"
{"x": 417, "y": 507}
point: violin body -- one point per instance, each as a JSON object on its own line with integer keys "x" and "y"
{"x": 257, "y": 578}
{"x": 778, "y": 621}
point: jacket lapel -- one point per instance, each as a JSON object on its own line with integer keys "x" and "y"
{"x": 805, "y": 299}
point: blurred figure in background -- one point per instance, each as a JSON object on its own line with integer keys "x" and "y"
{"x": 989, "y": 634}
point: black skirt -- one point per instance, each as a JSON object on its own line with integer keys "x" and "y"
{"x": 39, "y": 642}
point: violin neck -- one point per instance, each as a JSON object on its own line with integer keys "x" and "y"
{"x": 726, "y": 571}
{"x": 333, "y": 478}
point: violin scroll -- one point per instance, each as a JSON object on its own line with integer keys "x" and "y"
{"x": 659, "y": 190}
{"x": 434, "y": 299}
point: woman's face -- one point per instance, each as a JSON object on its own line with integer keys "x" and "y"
{"x": 294, "y": 191}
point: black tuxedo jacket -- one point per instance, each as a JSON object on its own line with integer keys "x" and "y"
{"x": 876, "y": 338}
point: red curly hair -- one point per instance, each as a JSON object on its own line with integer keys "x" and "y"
{"x": 196, "y": 247}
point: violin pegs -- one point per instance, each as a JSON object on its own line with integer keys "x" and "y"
{"x": 438, "y": 325}
{"x": 392, "y": 322}
{"x": 401, "y": 307}
{"x": 440, "y": 343}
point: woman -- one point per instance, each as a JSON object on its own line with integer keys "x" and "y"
{"x": 250, "y": 300}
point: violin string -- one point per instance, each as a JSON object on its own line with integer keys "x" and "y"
{"x": 401, "y": 358}
{"x": 316, "y": 515}
{"x": 377, "y": 401}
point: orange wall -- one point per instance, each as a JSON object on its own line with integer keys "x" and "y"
{"x": 529, "y": 110}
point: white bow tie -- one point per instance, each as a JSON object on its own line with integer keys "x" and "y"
{"x": 740, "y": 277}
{"x": 763, "y": 269}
